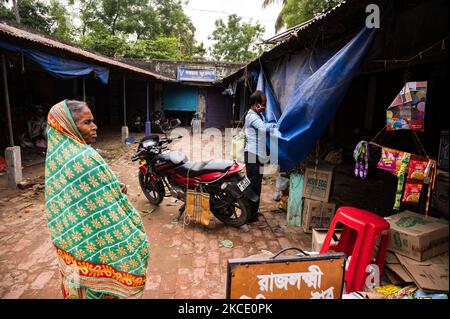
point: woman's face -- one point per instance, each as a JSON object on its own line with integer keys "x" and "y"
{"x": 84, "y": 121}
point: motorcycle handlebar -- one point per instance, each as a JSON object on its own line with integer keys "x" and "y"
{"x": 170, "y": 140}
{"x": 135, "y": 157}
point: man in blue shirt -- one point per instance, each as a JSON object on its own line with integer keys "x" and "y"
{"x": 255, "y": 153}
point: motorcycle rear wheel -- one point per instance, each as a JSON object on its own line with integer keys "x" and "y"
{"x": 154, "y": 191}
{"x": 236, "y": 215}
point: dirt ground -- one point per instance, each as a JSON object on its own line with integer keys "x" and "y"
{"x": 187, "y": 260}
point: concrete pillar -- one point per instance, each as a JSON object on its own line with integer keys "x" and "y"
{"x": 125, "y": 133}
{"x": 158, "y": 96}
{"x": 148, "y": 126}
{"x": 84, "y": 89}
{"x": 13, "y": 165}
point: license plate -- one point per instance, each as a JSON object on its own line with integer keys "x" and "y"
{"x": 243, "y": 184}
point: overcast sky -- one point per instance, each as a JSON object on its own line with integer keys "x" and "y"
{"x": 204, "y": 13}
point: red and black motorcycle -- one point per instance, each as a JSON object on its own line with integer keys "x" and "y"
{"x": 162, "y": 169}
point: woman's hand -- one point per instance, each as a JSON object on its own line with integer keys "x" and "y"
{"x": 123, "y": 188}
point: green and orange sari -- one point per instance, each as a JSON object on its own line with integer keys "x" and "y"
{"x": 99, "y": 237}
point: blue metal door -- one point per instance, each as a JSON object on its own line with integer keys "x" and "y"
{"x": 180, "y": 98}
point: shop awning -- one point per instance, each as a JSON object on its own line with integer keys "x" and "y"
{"x": 312, "y": 96}
{"x": 62, "y": 68}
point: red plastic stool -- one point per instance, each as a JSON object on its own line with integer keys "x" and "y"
{"x": 360, "y": 233}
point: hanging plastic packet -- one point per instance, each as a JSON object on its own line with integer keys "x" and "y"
{"x": 391, "y": 160}
{"x": 412, "y": 193}
{"x": 417, "y": 172}
{"x": 361, "y": 157}
{"x": 401, "y": 180}
{"x": 417, "y": 168}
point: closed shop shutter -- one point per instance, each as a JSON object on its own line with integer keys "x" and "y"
{"x": 180, "y": 98}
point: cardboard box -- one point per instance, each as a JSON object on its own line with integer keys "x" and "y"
{"x": 318, "y": 237}
{"x": 317, "y": 184}
{"x": 417, "y": 236}
{"x": 317, "y": 214}
{"x": 429, "y": 275}
{"x": 393, "y": 264}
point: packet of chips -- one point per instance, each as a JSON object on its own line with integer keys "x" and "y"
{"x": 391, "y": 160}
{"x": 412, "y": 193}
{"x": 416, "y": 169}
{"x": 387, "y": 290}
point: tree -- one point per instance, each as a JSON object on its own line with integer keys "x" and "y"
{"x": 199, "y": 52}
{"x": 61, "y": 26}
{"x": 147, "y": 28}
{"x": 236, "y": 41}
{"x": 295, "y": 12}
{"x": 102, "y": 41}
{"x": 159, "y": 48}
{"x": 140, "y": 23}
{"x": 50, "y": 19}
{"x": 175, "y": 23}
{"x": 10, "y": 14}
{"x": 34, "y": 14}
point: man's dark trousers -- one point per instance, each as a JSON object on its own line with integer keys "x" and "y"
{"x": 255, "y": 177}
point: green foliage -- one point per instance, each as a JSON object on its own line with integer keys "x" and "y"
{"x": 199, "y": 53}
{"x": 236, "y": 41}
{"x": 295, "y": 12}
{"x": 131, "y": 28}
{"x": 49, "y": 18}
{"x": 62, "y": 27}
{"x": 174, "y": 23}
{"x": 103, "y": 42}
{"x": 33, "y": 14}
{"x": 5, "y": 13}
{"x": 159, "y": 48}
{"x": 168, "y": 48}
{"x": 153, "y": 24}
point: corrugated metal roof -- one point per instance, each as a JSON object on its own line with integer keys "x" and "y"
{"x": 293, "y": 33}
{"x": 302, "y": 26}
{"x": 21, "y": 33}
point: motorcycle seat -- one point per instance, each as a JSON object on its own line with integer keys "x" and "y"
{"x": 174, "y": 157}
{"x": 195, "y": 169}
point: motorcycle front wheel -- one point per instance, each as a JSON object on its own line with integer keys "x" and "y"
{"x": 234, "y": 213}
{"x": 154, "y": 191}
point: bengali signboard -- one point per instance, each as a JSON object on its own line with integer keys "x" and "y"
{"x": 294, "y": 277}
{"x": 196, "y": 74}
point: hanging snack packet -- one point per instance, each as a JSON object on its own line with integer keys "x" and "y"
{"x": 391, "y": 160}
{"x": 412, "y": 193}
{"x": 416, "y": 169}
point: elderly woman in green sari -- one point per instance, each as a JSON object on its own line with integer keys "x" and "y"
{"x": 99, "y": 238}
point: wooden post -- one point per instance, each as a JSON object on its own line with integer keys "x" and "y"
{"x": 8, "y": 109}
{"x": 125, "y": 132}
{"x": 84, "y": 89}
{"x": 124, "y": 103}
{"x": 147, "y": 123}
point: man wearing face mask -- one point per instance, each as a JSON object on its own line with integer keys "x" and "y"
{"x": 255, "y": 148}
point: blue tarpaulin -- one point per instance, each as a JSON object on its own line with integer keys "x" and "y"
{"x": 273, "y": 111}
{"x": 311, "y": 86}
{"x": 62, "y": 68}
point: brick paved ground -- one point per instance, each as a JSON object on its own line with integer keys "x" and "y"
{"x": 186, "y": 260}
